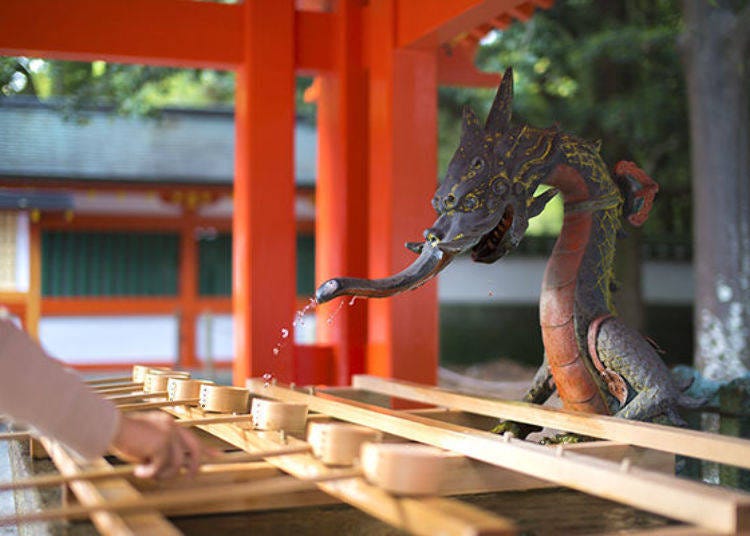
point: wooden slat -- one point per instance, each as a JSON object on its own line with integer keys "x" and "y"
{"x": 104, "y": 389}
{"x": 136, "y": 406}
{"x": 128, "y": 470}
{"x": 234, "y": 474}
{"x": 183, "y": 497}
{"x": 89, "y": 493}
{"x": 418, "y": 516}
{"x": 122, "y": 399}
{"x": 692, "y": 502}
{"x": 678, "y": 530}
{"x": 107, "y": 381}
{"x": 713, "y": 447}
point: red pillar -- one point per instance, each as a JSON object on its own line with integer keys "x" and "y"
{"x": 403, "y": 177}
{"x": 341, "y": 190}
{"x": 188, "y": 289}
{"x": 264, "y": 227}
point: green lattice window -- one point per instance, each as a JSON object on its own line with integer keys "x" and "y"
{"x": 109, "y": 264}
{"x": 145, "y": 264}
{"x": 215, "y": 265}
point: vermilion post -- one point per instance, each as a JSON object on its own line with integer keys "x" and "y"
{"x": 341, "y": 190}
{"x": 188, "y": 289}
{"x": 403, "y": 176}
{"x": 264, "y": 276}
{"x": 34, "y": 296}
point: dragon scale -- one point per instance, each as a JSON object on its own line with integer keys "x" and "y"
{"x": 575, "y": 288}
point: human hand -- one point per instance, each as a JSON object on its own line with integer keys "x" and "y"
{"x": 158, "y": 445}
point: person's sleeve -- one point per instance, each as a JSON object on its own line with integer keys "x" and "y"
{"x": 36, "y": 390}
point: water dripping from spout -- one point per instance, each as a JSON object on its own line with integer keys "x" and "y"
{"x": 333, "y": 314}
{"x": 299, "y": 320}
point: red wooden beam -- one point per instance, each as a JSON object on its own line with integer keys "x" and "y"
{"x": 264, "y": 275}
{"x": 124, "y": 306}
{"x": 213, "y": 304}
{"x": 425, "y": 23}
{"x": 456, "y": 66}
{"x": 188, "y": 289}
{"x": 76, "y": 306}
{"x": 403, "y": 330}
{"x": 178, "y": 33}
{"x": 341, "y": 196}
{"x": 314, "y": 51}
{"x": 522, "y": 12}
{"x": 166, "y": 32}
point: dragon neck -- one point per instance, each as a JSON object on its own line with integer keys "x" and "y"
{"x": 583, "y": 256}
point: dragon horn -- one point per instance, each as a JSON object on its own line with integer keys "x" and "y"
{"x": 498, "y": 120}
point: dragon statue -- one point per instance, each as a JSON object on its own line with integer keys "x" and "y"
{"x": 594, "y": 361}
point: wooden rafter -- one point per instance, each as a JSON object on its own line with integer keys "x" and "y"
{"x": 424, "y": 23}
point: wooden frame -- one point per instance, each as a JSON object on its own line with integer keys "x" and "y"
{"x": 692, "y": 502}
{"x": 480, "y": 462}
{"x": 712, "y": 447}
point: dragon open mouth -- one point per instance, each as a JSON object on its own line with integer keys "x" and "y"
{"x": 487, "y": 248}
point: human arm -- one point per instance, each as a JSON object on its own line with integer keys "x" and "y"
{"x": 36, "y": 390}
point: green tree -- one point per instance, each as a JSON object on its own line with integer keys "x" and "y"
{"x": 129, "y": 89}
{"x": 602, "y": 70}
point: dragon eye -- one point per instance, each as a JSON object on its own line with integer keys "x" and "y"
{"x": 499, "y": 187}
{"x": 471, "y": 202}
{"x": 449, "y": 201}
{"x": 477, "y": 162}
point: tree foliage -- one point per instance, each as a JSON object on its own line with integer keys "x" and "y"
{"x": 601, "y": 70}
{"x": 129, "y": 89}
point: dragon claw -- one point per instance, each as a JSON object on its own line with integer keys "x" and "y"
{"x": 566, "y": 438}
{"x": 516, "y": 429}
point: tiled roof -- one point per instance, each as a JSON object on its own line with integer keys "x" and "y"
{"x": 179, "y": 146}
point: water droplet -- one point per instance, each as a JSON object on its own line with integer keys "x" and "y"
{"x": 267, "y": 377}
{"x": 351, "y": 302}
{"x": 276, "y": 350}
{"x": 333, "y": 314}
{"x": 284, "y": 333}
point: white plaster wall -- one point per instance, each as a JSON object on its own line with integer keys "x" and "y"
{"x": 129, "y": 339}
{"x": 518, "y": 281}
{"x": 110, "y": 339}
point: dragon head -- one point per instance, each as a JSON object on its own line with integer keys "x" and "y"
{"x": 483, "y": 205}
{"x": 487, "y": 198}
